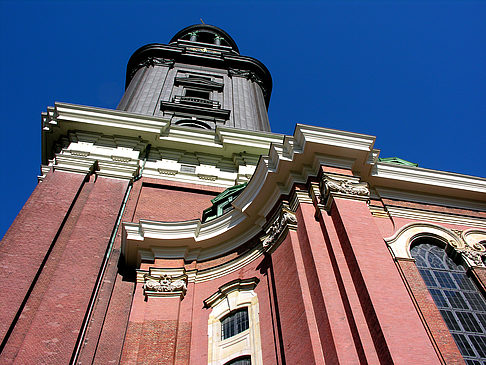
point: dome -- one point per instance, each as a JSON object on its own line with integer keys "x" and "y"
{"x": 206, "y": 33}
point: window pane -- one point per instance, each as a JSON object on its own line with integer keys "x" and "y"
{"x": 468, "y": 321}
{"x": 463, "y": 345}
{"x": 456, "y": 299}
{"x": 428, "y": 277}
{"x": 445, "y": 279}
{"x": 476, "y": 301}
{"x": 234, "y": 323}
{"x": 461, "y": 304}
{"x": 439, "y": 298}
{"x": 479, "y": 343}
{"x": 463, "y": 281}
{"x": 450, "y": 320}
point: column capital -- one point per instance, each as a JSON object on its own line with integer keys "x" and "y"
{"x": 342, "y": 187}
{"x": 283, "y": 220}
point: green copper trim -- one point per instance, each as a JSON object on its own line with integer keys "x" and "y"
{"x": 397, "y": 160}
{"x": 222, "y": 202}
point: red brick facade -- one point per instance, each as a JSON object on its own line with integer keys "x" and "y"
{"x": 329, "y": 292}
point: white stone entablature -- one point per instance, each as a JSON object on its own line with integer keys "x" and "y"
{"x": 116, "y": 143}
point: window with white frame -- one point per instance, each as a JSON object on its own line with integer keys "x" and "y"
{"x": 234, "y": 324}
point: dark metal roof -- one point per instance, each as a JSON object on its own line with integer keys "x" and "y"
{"x": 206, "y": 28}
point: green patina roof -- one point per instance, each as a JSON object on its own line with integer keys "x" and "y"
{"x": 222, "y": 202}
{"x": 398, "y": 161}
{"x": 229, "y": 192}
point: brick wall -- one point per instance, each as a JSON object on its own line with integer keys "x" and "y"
{"x": 29, "y": 239}
{"x": 53, "y": 315}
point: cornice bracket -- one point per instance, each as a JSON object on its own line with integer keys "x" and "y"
{"x": 282, "y": 221}
{"x": 340, "y": 187}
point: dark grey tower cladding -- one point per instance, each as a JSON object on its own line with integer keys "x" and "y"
{"x": 199, "y": 80}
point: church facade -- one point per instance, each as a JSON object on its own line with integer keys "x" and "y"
{"x": 178, "y": 229}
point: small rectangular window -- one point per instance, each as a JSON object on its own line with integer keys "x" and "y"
{"x": 234, "y": 323}
{"x": 188, "y": 168}
{"x": 197, "y": 94}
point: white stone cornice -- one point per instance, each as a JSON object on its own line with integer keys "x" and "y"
{"x": 427, "y": 215}
{"x": 432, "y": 199}
{"x": 234, "y": 285}
{"x": 105, "y": 118}
{"x": 84, "y": 164}
{"x": 294, "y": 160}
{"x": 223, "y": 142}
{"x": 254, "y": 140}
{"x": 332, "y": 137}
{"x": 425, "y": 180}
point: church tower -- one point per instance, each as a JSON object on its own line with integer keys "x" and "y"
{"x": 178, "y": 229}
{"x": 199, "y": 80}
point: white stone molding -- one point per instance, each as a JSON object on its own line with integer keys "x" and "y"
{"x": 232, "y": 296}
{"x": 164, "y": 284}
{"x": 430, "y": 198}
{"x": 422, "y": 180}
{"x": 167, "y": 172}
{"x": 434, "y": 216}
{"x": 224, "y": 290}
{"x": 98, "y": 119}
{"x": 289, "y": 160}
{"x": 301, "y": 148}
{"x": 333, "y": 186}
{"x": 467, "y": 243}
{"x": 298, "y": 197}
{"x": 283, "y": 220}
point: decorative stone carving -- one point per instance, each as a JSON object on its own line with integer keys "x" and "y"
{"x": 342, "y": 187}
{"x": 470, "y": 244}
{"x": 207, "y": 177}
{"x": 151, "y": 62}
{"x": 167, "y": 172}
{"x": 280, "y": 223}
{"x": 121, "y": 159}
{"x": 165, "y": 285}
{"x": 80, "y": 153}
{"x": 250, "y": 75}
{"x": 474, "y": 258}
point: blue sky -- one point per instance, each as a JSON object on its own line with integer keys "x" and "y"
{"x": 412, "y": 73}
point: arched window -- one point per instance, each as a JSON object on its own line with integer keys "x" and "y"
{"x": 243, "y": 360}
{"x": 459, "y": 301}
{"x": 234, "y": 323}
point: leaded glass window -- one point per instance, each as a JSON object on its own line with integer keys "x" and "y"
{"x": 234, "y": 323}
{"x": 459, "y": 301}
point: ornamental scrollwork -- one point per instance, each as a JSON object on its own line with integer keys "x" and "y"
{"x": 474, "y": 257}
{"x": 473, "y": 252}
{"x": 332, "y": 185}
{"x": 342, "y": 187}
{"x": 280, "y": 223}
{"x": 165, "y": 284}
{"x": 151, "y": 62}
{"x": 250, "y": 75}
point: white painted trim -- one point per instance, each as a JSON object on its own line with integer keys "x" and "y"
{"x": 426, "y": 215}
{"x": 421, "y": 176}
{"x": 463, "y": 242}
{"x": 400, "y": 242}
{"x": 395, "y": 194}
